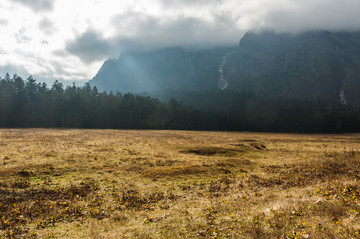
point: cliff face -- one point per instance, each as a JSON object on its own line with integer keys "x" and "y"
{"x": 308, "y": 65}
{"x": 313, "y": 64}
{"x": 161, "y": 70}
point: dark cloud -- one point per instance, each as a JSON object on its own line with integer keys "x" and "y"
{"x": 282, "y": 16}
{"x": 90, "y": 46}
{"x": 38, "y": 5}
{"x": 47, "y": 26}
{"x": 149, "y": 32}
{"x": 332, "y": 15}
{"x": 139, "y": 31}
{"x": 223, "y": 23}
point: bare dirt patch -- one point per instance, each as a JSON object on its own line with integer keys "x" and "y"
{"x": 211, "y": 151}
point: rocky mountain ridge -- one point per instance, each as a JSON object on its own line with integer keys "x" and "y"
{"x": 317, "y": 64}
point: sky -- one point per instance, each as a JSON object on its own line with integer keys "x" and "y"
{"x": 68, "y": 40}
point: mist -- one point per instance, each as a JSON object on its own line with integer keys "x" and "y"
{"x": 206, "y": 24}
{"x": 74, "y": 47}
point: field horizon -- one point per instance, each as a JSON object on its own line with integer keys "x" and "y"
{"x": 76, "y": 183}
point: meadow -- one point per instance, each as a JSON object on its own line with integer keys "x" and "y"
{"x": 178, "y": 184}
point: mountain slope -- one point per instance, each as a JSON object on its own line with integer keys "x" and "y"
{"x": 160, "y": 70}
{"x": 313, "y": 64}
{"x": 316, "y": 64}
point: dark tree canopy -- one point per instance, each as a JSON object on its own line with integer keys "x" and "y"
{"x": 31, "y": 104}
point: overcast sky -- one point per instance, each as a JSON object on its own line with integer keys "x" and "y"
{"x": 70, "y": 39}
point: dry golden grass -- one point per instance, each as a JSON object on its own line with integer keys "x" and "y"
{"x": 177, "y": 184}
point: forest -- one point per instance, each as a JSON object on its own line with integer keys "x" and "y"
{"x": 30, "y": 104}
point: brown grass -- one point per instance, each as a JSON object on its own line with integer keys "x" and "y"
{"x": 178, "y": 184}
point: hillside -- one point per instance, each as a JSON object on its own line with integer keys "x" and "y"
{"x": 310, "y": 65}
{"x": 161, "y": 70}
{"x": 316, "y": 64}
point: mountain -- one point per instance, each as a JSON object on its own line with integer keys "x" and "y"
{"x": 309, "y": 65}
{"x": 316, "y": 64}
{"x": 161, "y": 70}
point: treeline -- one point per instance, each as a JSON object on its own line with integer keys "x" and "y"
{"x": 252, "y": 112}
{"x": 31, "y": 104}
{"x": 26, "y": 103}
